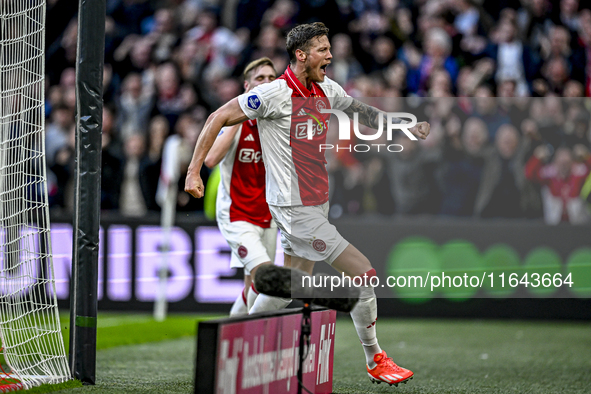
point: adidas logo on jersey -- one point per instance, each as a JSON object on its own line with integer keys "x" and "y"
{"x": 249, "y": 138}
{"x": 302, "y": 112}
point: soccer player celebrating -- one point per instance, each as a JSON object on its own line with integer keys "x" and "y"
{"x": 297, "y": 180}
{"x": 242, "y": 212}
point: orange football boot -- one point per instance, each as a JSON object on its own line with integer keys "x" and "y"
{"x": 387, "y": 371}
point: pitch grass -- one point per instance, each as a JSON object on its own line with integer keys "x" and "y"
{"x": 447, "y": 356}
{"x": 465, "y": 356}
{"x": 120, "y": 329}
{"x": 49, "y": 388}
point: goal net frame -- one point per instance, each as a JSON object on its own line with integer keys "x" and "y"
{"x": 32, "y": 344}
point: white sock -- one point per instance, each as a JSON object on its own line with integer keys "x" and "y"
{"x": 265, "y": 303}
{"x": 251, "y": 297}
{"x": 239, "y": 306}
{"x": 364, "y": 317}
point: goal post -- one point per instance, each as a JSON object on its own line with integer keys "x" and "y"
{"x": 87, "y": 173}
{"x": 32, "y": 345}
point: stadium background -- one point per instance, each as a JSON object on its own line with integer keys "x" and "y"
{"x": 169, "y": 64}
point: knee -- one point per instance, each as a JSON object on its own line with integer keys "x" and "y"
{"x": 255, "y": 269}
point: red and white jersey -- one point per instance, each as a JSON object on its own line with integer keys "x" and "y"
{"x": 296, "y": 168}
{"x": 241, "y": 192}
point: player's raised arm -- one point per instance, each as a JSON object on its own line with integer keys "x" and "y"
{"x": 228, "y": 115}
{"x": 370, "y": 116}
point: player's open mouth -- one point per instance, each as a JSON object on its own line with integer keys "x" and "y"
{"x": 323, "y": 68}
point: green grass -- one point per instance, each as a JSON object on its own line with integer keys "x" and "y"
{"x": 119, "y": 329}
{"x": 447, "y": 356}
{"x": 466, "y": 356}
{"x": 122, "y": 359}
{"x": 48, "y": 388}
{"x": 157, "y": 367}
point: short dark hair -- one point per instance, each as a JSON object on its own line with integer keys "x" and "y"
{"x": 263, "y": 61}
{"x": 300, "y": 37}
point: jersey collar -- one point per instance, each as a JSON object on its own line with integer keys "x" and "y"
{"x": 297, "y": 86}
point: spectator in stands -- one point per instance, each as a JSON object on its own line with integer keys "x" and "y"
{"x": 68, "y": 78}
{"x": 132, "y": 199}
{"x": 176, "y": 156}
{"x": 466, "y": 18}
{"x": 464, "y": 161}
{"x": 64, "y": 94}
{"x": 227, "y": 89}
{"x": 111, "y": 84}
{"x": 573, "y": 89}
{"x": 176, "y": 58}
{"x": 171, "y": 99}
{"x": 411, "y": 172}
{"x": 134, "y": 54}
{"x": 559, "y": 45}
{"x": 68, "y": 88}
{"x": 60, "y": 175}
{"x": 62, "y": 54}
{"x": 218, "y": 46}
{"x": 576, "y": 123}
{"x": 151, "y": 165}
{"x": 562, "y": 179}
{"x": 486, "y": 107}
{"x": 281, "y": 14}
{"x": 111, "y": 162}
{"x": 166, "y": 38}
{"x": 346, "y": 173}
{"x": 395, "y": 76}
{"x": 556, "y": 73}
{"x": 548, "y": 113}
{"x": 438, "y": 47}
{"x": 568, "y": 15}
{"x": 129, "y": 15}
{"x": 500, "y": 194}
{"x": 440, "y": 84}
{"x": 134, "y": 106}
{"x": 186, "y": 12}
{"x": 376, "y": 180}
{"x": 514, "y": 59}
{"x": 534, "y": 22}
{"x": 58, "y": 131}
{"x": 344, "y": 67}
{"x": 383, "y": 53}
{"x": 54, "y": 98}
{"x": 184, "y": 57}
{"x": 269, "y": 43}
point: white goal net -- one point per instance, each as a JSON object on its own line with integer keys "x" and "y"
{"x": 33, "y": 348}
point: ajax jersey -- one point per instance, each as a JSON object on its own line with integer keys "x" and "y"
{"x": 295, "y": 166}
{"x": 241, "y": 193}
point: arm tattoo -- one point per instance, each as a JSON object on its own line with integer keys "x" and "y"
{"x": 368, "y": 116}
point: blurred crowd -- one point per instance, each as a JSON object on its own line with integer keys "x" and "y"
{"x": 502, "y": 83}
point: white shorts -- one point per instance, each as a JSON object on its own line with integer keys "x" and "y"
{"x": 307, "y": 233}
{"x": 251, "y": 245}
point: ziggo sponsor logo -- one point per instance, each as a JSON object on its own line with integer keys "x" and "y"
{"x": 247, "y": 155}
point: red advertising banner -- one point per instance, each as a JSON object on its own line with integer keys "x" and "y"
{"x": 262, "y": 355}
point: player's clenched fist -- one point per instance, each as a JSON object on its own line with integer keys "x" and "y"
{"x": 194, "y": 185}
{"x": 421, "y": 130}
